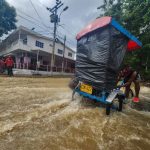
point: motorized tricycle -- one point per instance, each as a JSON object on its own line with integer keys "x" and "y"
{"x": 101, "y": 47}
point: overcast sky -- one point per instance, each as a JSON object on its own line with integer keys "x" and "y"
{"x": 79, "y": 14}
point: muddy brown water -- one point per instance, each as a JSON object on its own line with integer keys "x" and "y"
{"x": 38, "y": 114}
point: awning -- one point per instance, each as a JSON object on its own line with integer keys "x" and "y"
{"x": 9, "y": 54}
{"x": 133, "y": 43}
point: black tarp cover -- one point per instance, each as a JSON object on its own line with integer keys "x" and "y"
{"x": 99, "y": 56}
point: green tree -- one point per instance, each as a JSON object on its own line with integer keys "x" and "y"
{"x": 7, "y": 18}
{"x": 112, "y": 8}
{"x": 134, "y": 15}
{"x": 137, "y": 20}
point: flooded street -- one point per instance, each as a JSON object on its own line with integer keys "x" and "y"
{"x": 38, "y": 114}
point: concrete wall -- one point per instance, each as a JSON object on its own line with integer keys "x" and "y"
{"x": 31, "y": 40}
{"x": 48, "y": 46}
{"x": 24, "y": 72}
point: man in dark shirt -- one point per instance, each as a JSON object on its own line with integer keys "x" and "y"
{"x": 130, "y": 76}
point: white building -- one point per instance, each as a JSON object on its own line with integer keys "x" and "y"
{"x": 32, "y": 50}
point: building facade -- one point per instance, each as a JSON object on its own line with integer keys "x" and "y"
{"x": 33, "y": 51}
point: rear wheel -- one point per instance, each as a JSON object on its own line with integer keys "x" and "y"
{"x": 108, "y": 107}
{"x": 120, "y": 104}
{"x": 121, "y": 98}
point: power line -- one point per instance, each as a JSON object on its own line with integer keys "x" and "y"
{"x": 45, "y": 31}
{"x": 63, "y": 27}
{"x": 69, "y": 42}
{"x": 70, "y": 28}
{"x": 62, "y": 35}
{"x": 32, "y": 18}
{"x": 32, "y": 22}
{"x": 42, "y": 4}
{"x": 27, "y": 15}
{"x": 37, "y": 12}
{"x": 72, "y": 43}
{"x": 68, "y": 32}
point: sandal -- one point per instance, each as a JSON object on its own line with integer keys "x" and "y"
{"x": 136, "y": 100}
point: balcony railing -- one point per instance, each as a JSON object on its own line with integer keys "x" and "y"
{"x": 46, "y": 68}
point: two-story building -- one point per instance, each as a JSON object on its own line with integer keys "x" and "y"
{"x": 33, "y": 51}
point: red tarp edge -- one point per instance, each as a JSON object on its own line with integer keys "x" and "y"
{"x": 101, "y": 22}
{"x": 132, "y": 46}
{"x": 98, "y": 23}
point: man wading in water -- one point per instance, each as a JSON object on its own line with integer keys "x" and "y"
{"x": 130, "y": 76}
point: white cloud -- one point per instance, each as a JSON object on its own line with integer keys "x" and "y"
{"x": 79, "y": 14}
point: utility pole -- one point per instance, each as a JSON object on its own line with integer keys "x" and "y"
{"x": 63, "y": 59}
{"x": 55, "y": 19}
{"x": 54, "y": 40}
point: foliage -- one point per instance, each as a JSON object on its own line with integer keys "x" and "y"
{"x": 134, "y": 15}
{"x": 7, "y": 18}
{"x": 112, "y": 8}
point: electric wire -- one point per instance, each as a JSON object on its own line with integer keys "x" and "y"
{"x": 37, "y": 12}
{"x": 30, "y": 21}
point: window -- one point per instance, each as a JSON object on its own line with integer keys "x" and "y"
{"x": 45, "y": 62}
{"x": 70, "y": 54}
{"x": 60, "y": 51}
{"x": 25, "y": 41}
{"x": 40, "y": 57}
{"x": 39, "y": 44}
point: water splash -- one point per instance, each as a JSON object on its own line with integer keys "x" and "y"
{"x": 46, "y": 118}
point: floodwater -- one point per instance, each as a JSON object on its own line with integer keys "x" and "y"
{"x": 38, "y": 114}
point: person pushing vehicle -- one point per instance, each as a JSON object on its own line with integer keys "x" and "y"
{"x": 129, "y": 75}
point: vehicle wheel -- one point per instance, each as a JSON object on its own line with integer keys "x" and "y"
{"x": 120, "y": 104}
{"x": 108, "y": 106}
{"x": 73, "y": 93}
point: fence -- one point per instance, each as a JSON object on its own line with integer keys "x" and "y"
{"x": 42, "y": 68}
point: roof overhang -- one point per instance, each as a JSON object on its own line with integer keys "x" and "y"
{"x": 9, "y": 54}
{"x": 133, "y": 43}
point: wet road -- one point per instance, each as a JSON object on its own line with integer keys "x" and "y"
{"x": 38, "y": 114}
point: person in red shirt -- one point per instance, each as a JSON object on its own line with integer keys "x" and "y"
{"x": 9, "y": 65}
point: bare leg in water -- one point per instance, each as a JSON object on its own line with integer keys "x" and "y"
{"x": 137, "y": 88}
{"x": 127, "y": 90}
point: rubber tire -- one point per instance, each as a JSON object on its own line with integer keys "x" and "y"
{"x": 108, "y": 107}
{"x": 120, "y": 104}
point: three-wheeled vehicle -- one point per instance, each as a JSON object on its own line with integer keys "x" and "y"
{"x": 101, "y": 47}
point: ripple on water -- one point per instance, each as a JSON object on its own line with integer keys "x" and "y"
{"x": 56, "y": 122}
